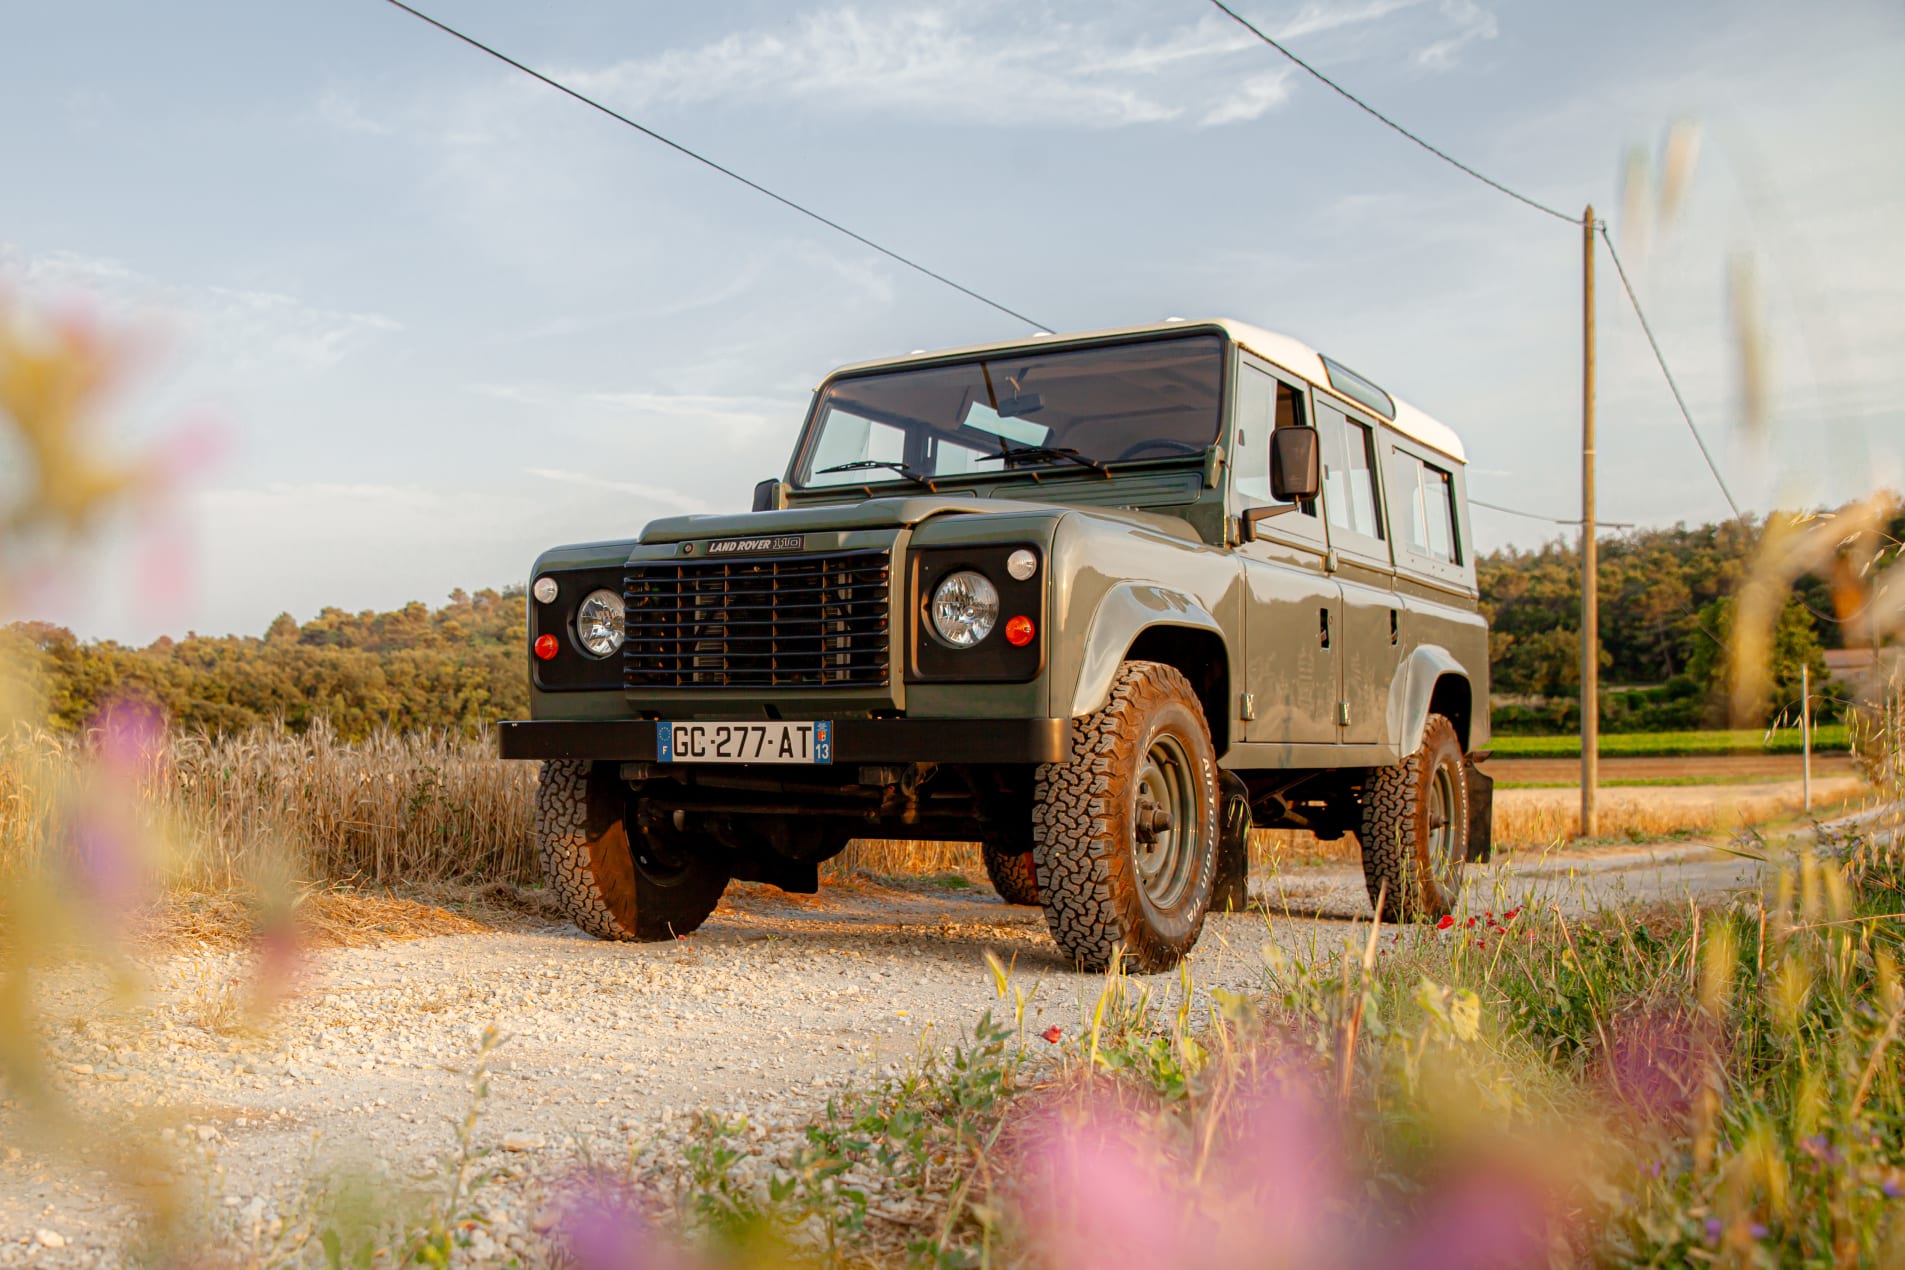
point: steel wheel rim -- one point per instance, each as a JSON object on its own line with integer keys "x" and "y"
{"x": 1167, "y": 781}
{"x": 1445, "y": 803}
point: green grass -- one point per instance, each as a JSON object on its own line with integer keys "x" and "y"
{"x": 1648, "y": 782}
{"x": 1827, "y": 738}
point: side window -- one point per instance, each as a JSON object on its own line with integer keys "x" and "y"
{"x": 1349, "y": 473}
{"x": 1428, "y": 522}
{"x": 1264, "y": 403}
{"x": 1250, "y": 463}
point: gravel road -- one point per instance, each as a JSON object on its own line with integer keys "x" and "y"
{"x": 776, "y": 1003}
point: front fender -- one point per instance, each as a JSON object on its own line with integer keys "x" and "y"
{"x": 1410, "y": 693}
{"x": 1128, "y": 609}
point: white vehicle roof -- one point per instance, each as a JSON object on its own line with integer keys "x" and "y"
{"x": 1282, "y": 350}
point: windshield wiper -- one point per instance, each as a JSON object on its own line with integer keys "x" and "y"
{"x": 865, "y": 465}
{"x": 1046, "y": 452}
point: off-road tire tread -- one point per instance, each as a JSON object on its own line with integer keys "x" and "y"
{"x": 1014, "y": 874}
{"x": 584, "y": 852}
{"x": 563, "y": 847}
{"x": 1080, "y": 882}
{"x": 1388, "y": 832}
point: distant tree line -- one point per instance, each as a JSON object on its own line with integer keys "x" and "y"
{"x": 1666, "y": 615}
{"x": 1666, "y": 622}
{"x": 459, "y": 667}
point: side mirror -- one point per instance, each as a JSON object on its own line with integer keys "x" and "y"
{"x": 767, "y": 497}
{"x": 1296, "y": 475}
{"x": 1296, "y": 464}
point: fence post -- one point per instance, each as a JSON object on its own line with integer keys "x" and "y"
{"x": 1805, "y": 734}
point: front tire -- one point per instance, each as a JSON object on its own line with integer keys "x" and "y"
{"x": 610, "y": 891}
{"x": 1125, "y": 831}
{"x": 1415, "y": 828}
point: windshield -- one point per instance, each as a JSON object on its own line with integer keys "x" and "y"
{"x": 1158, "y": 399}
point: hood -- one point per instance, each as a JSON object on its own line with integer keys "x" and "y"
{"x": 872, "y": 513}
{"x": 891, "y": 513}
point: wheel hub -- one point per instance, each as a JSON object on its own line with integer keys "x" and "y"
{"x": 1164, "y": 822}
{"x": 1445, "y": 802}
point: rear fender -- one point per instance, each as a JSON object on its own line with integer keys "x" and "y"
{"x": 1412, "y": 694}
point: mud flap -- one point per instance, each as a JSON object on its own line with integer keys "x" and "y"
{"x": 1230, "y": 893}
{"x": 1481, "y": 812}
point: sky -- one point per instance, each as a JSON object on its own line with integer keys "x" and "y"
{"x": 439, "y": 316}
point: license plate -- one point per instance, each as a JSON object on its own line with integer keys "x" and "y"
{"x": 777, "y": 742}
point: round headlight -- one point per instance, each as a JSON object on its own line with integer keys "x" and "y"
{"x": 599, "y": 623}
{"x": 965, "y": 608}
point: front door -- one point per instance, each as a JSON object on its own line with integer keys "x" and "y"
{"x": 1293, "y": 627}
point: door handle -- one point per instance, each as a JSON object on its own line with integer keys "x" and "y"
{"x": 1323, "y": 626}
{"x": 1395, "y": 632}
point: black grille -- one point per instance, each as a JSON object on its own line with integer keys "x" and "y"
{"x": 795, "y": 621}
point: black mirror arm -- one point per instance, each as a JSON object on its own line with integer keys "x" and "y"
{"x": 1256, "y": 515}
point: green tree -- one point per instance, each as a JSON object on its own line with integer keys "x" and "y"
{"x": 1795, "y": 646}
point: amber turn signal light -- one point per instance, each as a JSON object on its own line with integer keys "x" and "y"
{"x": 546, "y": 646}
{"x": 1019, "y": 631}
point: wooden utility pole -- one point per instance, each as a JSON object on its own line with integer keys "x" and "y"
{"x": 1805, "y": 733}
{"x": 1590, "y": 565}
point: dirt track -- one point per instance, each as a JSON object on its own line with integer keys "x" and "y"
{"x": 777, "y": 1002}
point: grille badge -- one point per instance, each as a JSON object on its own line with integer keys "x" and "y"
{"x": 757, "y": 546}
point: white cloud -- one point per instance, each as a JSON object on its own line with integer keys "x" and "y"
{"x": 970, "y": 67}
{"x": 243, "y": 329}
{"x": 1472, "y": 22}
{"x": 1255, "y": 98}
{"x": 340, "y": 110}
{"x": 654, "y": 493}
{"x": 1315, "y": 19}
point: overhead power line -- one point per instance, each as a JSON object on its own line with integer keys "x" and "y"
{"x": 756, "y": 186}
{"x": 1600, "y": 226}
{"x": 1672, "y": 386}
{"x": 1552, "y": 520}
{"x": 1364, "y": 106}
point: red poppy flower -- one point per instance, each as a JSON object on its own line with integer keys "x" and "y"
{"x": 1511, "y": 915}
{"x": 1446, "y": 922}
{"x": 1052, "y": 1033}
{"x": 1469, "y": 922}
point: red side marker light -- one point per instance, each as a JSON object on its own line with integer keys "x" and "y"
{"x": 546, "y": 646}
{"x": 1019, "y": 631}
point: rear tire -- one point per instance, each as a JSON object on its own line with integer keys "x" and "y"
{"x": 1103, "y": 887}
{"x": 1415, "y": 828}
{"x": 582, "y": 839}
{"x": 1014, "y": 874}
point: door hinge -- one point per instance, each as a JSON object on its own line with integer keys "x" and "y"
{"x": 1247, "y": 705}
{"x": 1342, "y": 713}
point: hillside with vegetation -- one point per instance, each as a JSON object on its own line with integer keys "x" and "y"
{"x": 1666, "y": 613}
{"x": 454, "y": 668}
{"x": 1667, "y": 598}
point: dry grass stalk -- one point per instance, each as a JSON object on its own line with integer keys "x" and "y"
{"x": 394, "y": 809}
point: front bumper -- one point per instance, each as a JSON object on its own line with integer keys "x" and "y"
{"x": 854, "y": 740}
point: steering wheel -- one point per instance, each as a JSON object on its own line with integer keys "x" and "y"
{"x": 1157, "y": 443}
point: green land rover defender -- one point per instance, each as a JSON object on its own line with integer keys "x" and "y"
{"x": 1101, "y": 603}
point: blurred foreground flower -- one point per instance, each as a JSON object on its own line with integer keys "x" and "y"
{"x": 1111, "y": 1190}
{"x": 602, "y": 1227}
